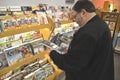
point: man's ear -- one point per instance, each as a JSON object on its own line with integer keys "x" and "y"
{"x": 83, "y": 12}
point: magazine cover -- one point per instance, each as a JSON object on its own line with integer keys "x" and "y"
{"x": 27, "y": 50}
{"x": 43, "y": 62}
{"x": 56, "y": 39}
{"x": 67, "y": 37}
{"x": 111, "y": 25}
{"x": 48, "y": 69}
{"x": 17, "y": 76}
{"x": 27, "y": 36}
{"x": 32, "y": 67}
{"x": 52, "y": 46}
{"x": 40, "y": 74}
{"x": 3, "y": 61}
{"x": 18, "y": 53}
{"x": 63, "y": 40}
{"x": 14, "y": 56}
{"x": 42, "y": 17}
{"x": 30, "y": 76}
{"x": 36, "y": 45}
{"x": 37, "y": 35}
{"x": 5, "y": 42}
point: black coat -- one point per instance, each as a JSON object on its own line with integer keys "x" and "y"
{"x": 90, "y": 54}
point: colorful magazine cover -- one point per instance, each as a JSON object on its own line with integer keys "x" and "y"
{"x": 48, "y": 69}
{"x": 14, "y": 56}
{"x": 16, "y": 76}
{"x": 32, "y": 67}
{"x": 40, "y": 74}
{"x": 37, "y": 47}
{"x": 3, "y": 61}
{"x": 18, "y": 53}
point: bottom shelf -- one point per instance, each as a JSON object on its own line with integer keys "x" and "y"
{"x": 56, "y": 70}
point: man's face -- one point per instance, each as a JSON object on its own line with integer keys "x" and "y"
{"x": 76, "y": 17}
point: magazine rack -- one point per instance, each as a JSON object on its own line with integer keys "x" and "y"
{"x": 45, "y": 28}
{"x": 46, "y": 31}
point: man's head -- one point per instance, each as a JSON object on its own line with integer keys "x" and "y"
{"x": 82, "y": 11}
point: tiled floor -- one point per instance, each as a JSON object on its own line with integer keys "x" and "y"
{"x": 116, "y": 66}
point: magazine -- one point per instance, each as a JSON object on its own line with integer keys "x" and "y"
{"x": 37, "y": 46}
{"x": 3, "y": 61}
{"x": 32, "y": 67}
{"x": 30, "y": 76}
{"x": 48, "y": 69}
{"x": 40, "y": 74}
{"x": 16, "y": 76}
{"x": 18, "y": 53}
{"x": 53, "y": 46}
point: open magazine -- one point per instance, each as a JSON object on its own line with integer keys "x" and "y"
{"x": 53, "y": 46}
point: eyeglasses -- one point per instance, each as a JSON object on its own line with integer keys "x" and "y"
{"x": 74, "y": 16}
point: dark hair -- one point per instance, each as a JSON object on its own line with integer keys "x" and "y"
{"x": 84, "y": 4}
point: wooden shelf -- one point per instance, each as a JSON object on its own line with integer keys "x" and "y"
{"x": 46, "y": 30}
{"x": 26, "y": 61}
{"x": 14, "y": 31}
{"x": 107, "y": 19}
{"x": 65, "y": 22}
{"x": 27, "y": 28}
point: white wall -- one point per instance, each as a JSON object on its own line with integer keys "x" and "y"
{"x": 33, "y": 2}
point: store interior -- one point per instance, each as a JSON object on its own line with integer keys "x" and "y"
{"x": 29, "y": 28}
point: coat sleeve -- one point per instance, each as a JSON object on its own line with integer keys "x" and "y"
{"x": 78, "y": 56}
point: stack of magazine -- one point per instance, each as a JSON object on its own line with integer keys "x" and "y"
{"x": 38, "y": 70}
{"x": 20, "y": 52}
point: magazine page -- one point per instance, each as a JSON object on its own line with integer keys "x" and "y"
{"x": 53, "y": 46}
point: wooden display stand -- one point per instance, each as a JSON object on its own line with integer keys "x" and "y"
{"x": 112, "y": 19}
{"x": 45, "y": 30}
{"x": 30, "y": 59}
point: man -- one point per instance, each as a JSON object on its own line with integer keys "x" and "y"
{"x": 90, "y": 54}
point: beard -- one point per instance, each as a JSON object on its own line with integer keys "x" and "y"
{"x": 79, "y": 20}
